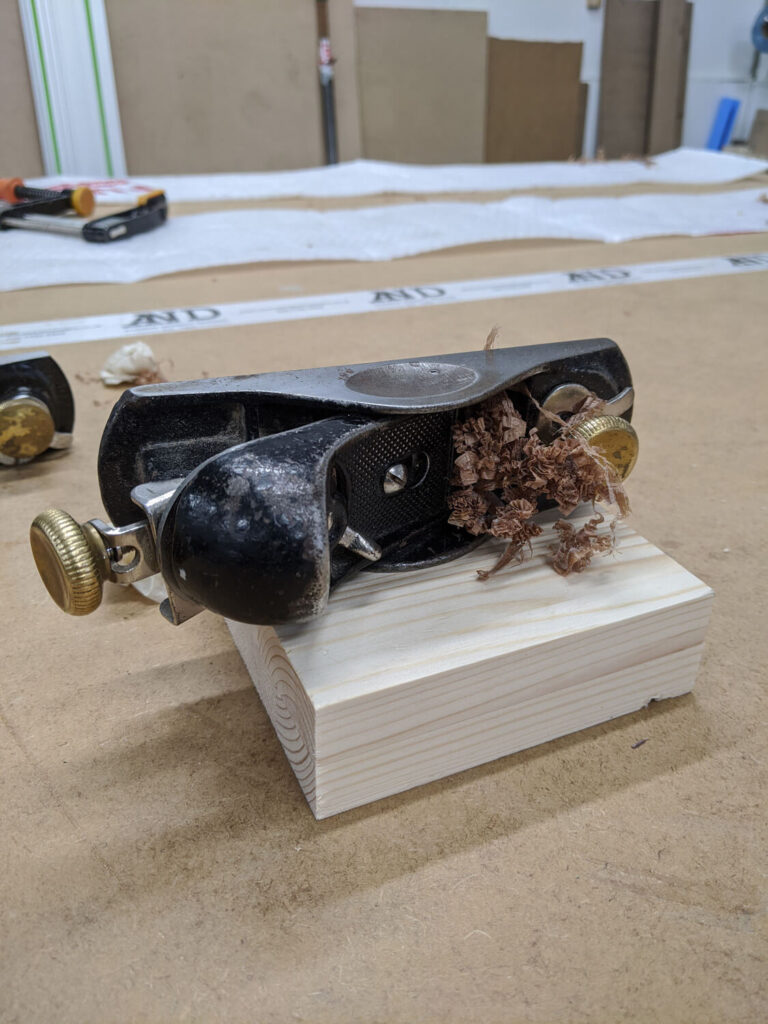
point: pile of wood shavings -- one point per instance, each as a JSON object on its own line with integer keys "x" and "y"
{"x": 501, "y": 475}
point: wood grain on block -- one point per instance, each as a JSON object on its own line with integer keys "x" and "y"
{"x": 410, "y": 677}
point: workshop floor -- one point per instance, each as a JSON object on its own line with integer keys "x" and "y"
{"x": 159, "y": 860}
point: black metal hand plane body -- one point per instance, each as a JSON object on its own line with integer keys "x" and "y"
{"x": 262, "y": 492}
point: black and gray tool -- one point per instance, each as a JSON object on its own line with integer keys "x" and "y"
{"x": 37, "y": 411}
{"x": 254, "y": 496}
{"x": 38, "y": 215}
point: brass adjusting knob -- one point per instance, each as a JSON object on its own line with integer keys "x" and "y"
{"x": 615, "y": 438}
{"x": 71, "y": 560}
{"x": 26, "y": 427}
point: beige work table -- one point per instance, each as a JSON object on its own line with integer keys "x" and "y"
{"x": 159, "y": 860}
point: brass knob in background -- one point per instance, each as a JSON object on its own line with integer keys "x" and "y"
{"x": 26, "y": 427}
{"x": 70, "y": 559}
{"x": 615, "y": 438}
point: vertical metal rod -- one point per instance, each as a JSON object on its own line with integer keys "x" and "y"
{"x": 325, "y": 67}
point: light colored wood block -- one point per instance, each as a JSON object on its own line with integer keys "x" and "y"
{"x": 410, "y": 677}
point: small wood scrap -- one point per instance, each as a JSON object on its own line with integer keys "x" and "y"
{"x": 134, "y": 363}
{"x": 502, "y": 475}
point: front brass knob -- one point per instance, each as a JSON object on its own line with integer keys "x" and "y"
{"x": 26, "y": 427}
{"x": 69, "y": 561}
{"x": 615, "y": 438}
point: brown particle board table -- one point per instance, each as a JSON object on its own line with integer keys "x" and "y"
{"x": 159, "y": 859}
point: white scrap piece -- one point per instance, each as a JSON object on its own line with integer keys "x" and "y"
{"x": 153, "y": 588}
{"x": 129, "y": 364}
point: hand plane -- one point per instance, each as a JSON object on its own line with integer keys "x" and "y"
{"x": 254, "y": 496}
{"x": 37, "y": 411}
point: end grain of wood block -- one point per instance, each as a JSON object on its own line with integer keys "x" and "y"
{"x": 410, "y": 677}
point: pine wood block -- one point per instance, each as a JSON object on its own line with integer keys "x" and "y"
{"x": 410, "y": 677}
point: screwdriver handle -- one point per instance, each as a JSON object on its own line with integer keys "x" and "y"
{"x": 8, "y": 188}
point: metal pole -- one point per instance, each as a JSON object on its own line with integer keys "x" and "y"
{"x": 325, "y": 67}
{"x": 41, "y": 222}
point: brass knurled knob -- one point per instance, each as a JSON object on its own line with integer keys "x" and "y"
{"x": 69, "y": 561}
{"x": 26, "y": 427}
{"x": 615, "y": 438}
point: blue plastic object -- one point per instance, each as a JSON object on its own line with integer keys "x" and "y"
{"x": 760, "y": 31}
{"x": 722, "y": 126}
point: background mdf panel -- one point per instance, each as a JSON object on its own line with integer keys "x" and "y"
{"x": 629, "y": 40}
{"x": 19, "y": 140}
{"x": 643, "y": 76}
{"x": 536, "y": 101}
{"x": 204, "y": 88}
{"x": 422, "y": 81}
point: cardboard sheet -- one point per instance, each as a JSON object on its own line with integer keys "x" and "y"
{"x": 626, "y": 76}
{"x": 19, "y": 140}
{"x": 534, "y": 105}
{"x": 670, "y": 74}
{"x": 422, "y": 79}
{"x": 643, "y": 75}
{"x": 159, "y": 860}
{"x": 229, "y": 88}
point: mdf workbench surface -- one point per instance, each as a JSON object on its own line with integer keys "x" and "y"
{"x": 160, "y": 862}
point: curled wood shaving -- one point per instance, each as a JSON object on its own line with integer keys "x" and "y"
{"x": 575, "y": 548}
{"x": 501, "y": 476}
{"x": 490, "y": 341}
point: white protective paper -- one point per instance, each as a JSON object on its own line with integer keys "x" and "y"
{"x": 30, "y": 259}
{"x": 79, "y": 330}
{"x": 373, "y": 177}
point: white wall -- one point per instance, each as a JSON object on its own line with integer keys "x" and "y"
{"x": 718, "y": 64}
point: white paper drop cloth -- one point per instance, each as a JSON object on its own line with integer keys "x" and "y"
{"x": 30, "y": 259}
{"x": 372, "y": 177}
